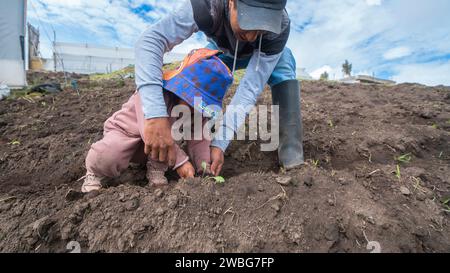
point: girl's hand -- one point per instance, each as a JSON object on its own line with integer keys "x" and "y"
{"x": 186, "y": 170}
{"x": 218, "y": 159}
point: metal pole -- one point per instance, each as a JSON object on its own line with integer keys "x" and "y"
{"x": 54, "y": 49}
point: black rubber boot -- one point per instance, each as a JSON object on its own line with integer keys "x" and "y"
{"x": 287, "y": 95}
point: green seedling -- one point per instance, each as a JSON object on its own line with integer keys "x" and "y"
{"x": 217, "y": 179}
{"x": 406, "y": 158}
{"x": 14, "y": 142}
{"x": 315, "y": 162}
{"x": 446, "y": 204}
{"x": 441, "y": 154}
{"x": 204, "y": 166}
{"x": 435, "y": 126}
{"x": 397, "y": 172}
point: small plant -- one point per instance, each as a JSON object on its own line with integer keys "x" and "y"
{"x": 397, "y": 172}
{"x": 446, "y": 204}
{"x": 14, "y": 142}
{"x": 406, "y": 158}
{"x": 204, "y": 167}
{"x": 315, "y": 162}
{"x": 217, "y": 179}
{"x": 435, "y": 126}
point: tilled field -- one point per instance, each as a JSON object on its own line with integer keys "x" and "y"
{"x": 357, "y": 186}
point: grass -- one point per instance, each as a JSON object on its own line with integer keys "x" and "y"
{"x": 129, "y": 70}
{"x": 14, "y": 142}
{"x": 398, "y": 173}
{"x": 119, "y": 74}
{"x": 315, "y": 162}
{"x": 446, "y": 204}
{"x": 403, "y": 159}
{"x": 171, "y": 66}
{"x": 406, "y": 158}
{"x": 19, "y": 93}
{"x": 25, "y": 94}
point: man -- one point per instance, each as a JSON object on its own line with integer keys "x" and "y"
{"x": 252, "y": 34}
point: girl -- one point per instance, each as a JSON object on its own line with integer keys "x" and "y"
{"x": 201, "y": 75}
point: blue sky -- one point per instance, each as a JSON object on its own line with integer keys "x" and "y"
{"x": 403, "y": 40}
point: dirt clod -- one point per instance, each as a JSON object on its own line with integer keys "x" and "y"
{"x": 405, "y": 191}
{"x": 133, "y": 204}
{"x": 284, "y": 180}
{"x": 172, "y": 201}
{"x": 309, "y": 181}
{"x": 73, "y": 195}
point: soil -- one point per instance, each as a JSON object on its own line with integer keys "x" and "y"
{"x": 348, "y": 193}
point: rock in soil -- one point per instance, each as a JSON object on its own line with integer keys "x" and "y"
{"x": 284, "y": 180}
{"x": 405, "y": 191}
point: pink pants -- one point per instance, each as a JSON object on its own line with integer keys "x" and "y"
{"x": 122, "y": 143}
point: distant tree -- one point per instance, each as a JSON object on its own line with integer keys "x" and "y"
{"x": 347, "y": 68}
{"x": 324, "y": 76}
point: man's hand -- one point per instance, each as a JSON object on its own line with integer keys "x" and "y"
{"x": 186, "y": 170}
{"x": 158, "y": 140}
{"x": 217, "y": 159}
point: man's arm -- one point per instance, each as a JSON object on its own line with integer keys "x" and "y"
{"x": 157, "y": 40}
{"x": 250, "y": 88}
{"x": 150, "y": 49}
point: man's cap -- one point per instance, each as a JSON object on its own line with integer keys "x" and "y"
{"x": 264, "y": 15}
{"x": 203, "y": 75}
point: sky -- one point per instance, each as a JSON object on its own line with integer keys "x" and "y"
{"x": 401, "y": 40}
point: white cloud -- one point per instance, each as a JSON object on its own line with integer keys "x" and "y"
{"x": 375, "y": 36}
{"x": 428, "y": 73}
{"x": 319, "y": 71}
{"x": 396, "y": 53}
{"x": 394, "y": 38}
{"x": 103, "y": 22}
{"x": 373, "y": 2}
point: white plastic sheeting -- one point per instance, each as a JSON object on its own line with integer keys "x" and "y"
{"x": 12, "y": 43}
{"x": 89, "y": 59}
{"x": 172, "y": 57}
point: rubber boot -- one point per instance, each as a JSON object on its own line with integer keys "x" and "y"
{"x": 287, "y": 95}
